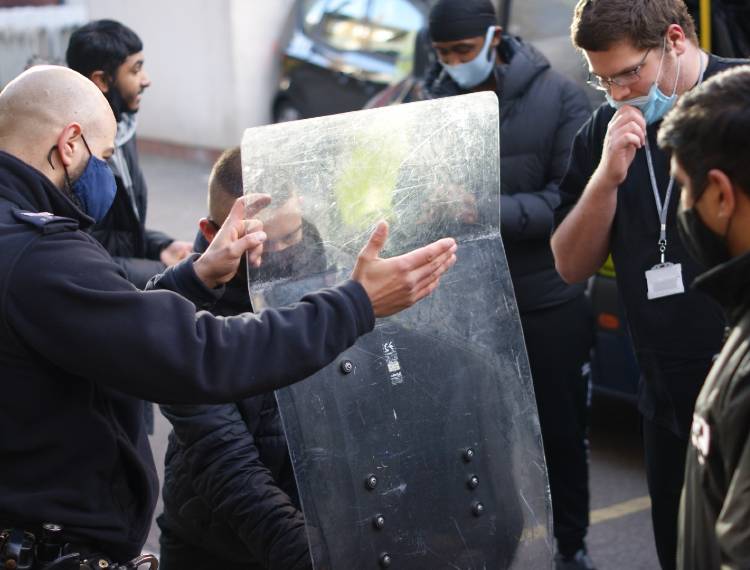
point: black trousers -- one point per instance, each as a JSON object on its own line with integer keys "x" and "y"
{"x": 558, "y": 342}
{"x": 665, "y": 472}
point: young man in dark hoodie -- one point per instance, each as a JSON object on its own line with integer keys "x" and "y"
{"x": 111, "y": 55}
{"x": 230, "y": 499}
{"x": 540, "y": 112}
{"x": 708, "y": 134}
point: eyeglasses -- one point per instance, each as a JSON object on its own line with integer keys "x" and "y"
{"x": 621, "y": 79}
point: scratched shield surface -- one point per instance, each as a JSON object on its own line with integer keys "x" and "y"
{"x": 419, "y": 447}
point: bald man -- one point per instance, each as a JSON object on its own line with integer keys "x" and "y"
{"x": 79, "y": 344}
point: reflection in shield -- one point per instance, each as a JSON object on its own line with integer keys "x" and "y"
{"x": 419, "y": 447}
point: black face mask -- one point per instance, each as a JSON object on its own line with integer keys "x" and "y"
{"x": 708, "y": 248}
{"x": 300, "y": 259}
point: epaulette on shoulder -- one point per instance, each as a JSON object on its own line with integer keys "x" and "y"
{"x": 45, "y": 222}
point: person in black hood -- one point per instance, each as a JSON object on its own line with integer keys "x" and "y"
{"x": 79, "y": 344}
{"x": 540, "y": 112}
{"x": 708, "y": 134}
{"x": 111, "y": 55}
{"x": 237, "y": 453}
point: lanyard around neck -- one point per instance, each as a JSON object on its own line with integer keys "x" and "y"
{"x": 662, "y": 210}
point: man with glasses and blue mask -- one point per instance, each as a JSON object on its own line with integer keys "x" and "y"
{"x": 540, "y": 112}
{"x": 618, "y": 198}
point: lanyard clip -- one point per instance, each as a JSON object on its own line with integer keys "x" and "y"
{"x": 662, "y": 248}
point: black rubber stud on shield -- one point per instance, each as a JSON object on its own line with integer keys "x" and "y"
{"x": 473, "y": 482}
{"x": 468, "y": 454}
{"x": 378, "y": 521}
{"x": 477, "y": 509}
{"x": 385, "y": 560}
{"x": 371, "y": 482}
{"x": 347, "y": 367}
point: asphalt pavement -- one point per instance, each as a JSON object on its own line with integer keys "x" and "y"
{"x": 620, "y": 537}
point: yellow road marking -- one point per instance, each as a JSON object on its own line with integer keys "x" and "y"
{"x": 616, "y": 511}
{"x": 619, "y": 510}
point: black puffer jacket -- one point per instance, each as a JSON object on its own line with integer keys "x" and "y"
{"x": 123, "y": 231}
{"x": 540, "y": 113}
{"x": 229, "y": 487}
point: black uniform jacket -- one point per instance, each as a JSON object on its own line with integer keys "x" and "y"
{"x": 675, "y": 337}
{"x": 123, "y": 231}
{"x": 540, "y": 113}
{"x": 229, "y": 488}
{"x": 715, "y": 510}
{"x": 79, "y": 345}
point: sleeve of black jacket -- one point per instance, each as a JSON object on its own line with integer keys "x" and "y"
{"x": 139, "y": 270}
{"x": 530, "y": 215}
{"x": 156, "y": 241}
{"x": 226, "y": 471}
{"x": 71, "y": 305}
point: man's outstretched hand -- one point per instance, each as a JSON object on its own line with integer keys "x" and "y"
{"x": 240, "y": 233}
{"x": 397, "y": 283}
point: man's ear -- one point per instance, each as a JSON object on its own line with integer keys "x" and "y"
{"x": 676, "y": 37}
{"x": 207, "y": 229}
{"x": 100, "y": 80}
{"x": 66, "y": 143}
{"x": 724, "y": 201}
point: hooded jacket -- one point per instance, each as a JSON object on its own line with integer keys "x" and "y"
{"x": 80, "y": 345}
{"x": 540, "y": 113}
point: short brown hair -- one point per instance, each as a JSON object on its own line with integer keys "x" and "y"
{"x": 224, "y": 184}
{"x": 600, "y": 24}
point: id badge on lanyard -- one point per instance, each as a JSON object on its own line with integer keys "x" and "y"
{"x": 663, "y": 279}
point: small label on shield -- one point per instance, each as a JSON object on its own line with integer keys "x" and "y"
{"x": 391, "y": 360}
{"x": 664, "y": 280}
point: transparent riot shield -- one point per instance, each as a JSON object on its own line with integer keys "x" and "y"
{"x": 419, "y": 447}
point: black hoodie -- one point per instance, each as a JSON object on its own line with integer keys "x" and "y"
{"x": 80, "y": 345}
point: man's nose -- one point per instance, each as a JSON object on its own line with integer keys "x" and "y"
{"x": 450, "y": 59}
{"x": 619, "y": 93}
{"x": 145, "y": 80}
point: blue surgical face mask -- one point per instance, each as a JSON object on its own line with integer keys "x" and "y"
{"x": 96, "y": 187}
{"x": 656, "y": 104}
{"x": 472, "y": 73}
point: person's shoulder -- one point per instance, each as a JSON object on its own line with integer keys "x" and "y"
{"x": 44, "y": 222}
{"x": 717, "y": 64}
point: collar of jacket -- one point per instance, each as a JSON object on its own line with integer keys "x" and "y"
{"x": 729, "y": 284}
{"x": 521, "y": 64}
{"x": 32, "y": 191}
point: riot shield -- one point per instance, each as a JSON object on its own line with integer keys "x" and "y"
{"x": 419, "y": 447}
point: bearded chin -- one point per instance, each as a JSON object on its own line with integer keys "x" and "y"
{"x": 116, "y": 102}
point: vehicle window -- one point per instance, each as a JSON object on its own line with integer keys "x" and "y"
{"x": 342, "y": 24}
{"x": 393, "y": 28}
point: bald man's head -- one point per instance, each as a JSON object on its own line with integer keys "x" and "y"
{"x": 50, "y": 107}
